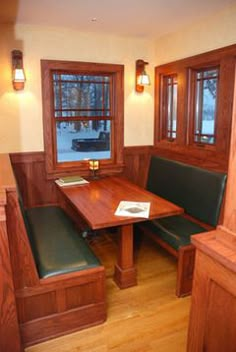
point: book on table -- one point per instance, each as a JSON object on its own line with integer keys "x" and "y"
{"x": 135, "y": 209}
{"x": 71, "y": 180}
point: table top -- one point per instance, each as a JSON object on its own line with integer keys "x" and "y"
{"x": 98, "y": 200}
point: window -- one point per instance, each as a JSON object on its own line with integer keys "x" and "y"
{"x": 193, "y": 108}
{"x": 169, "y": 107}
{"x": 205, "y": 92}
{"x": 83, "y": 115}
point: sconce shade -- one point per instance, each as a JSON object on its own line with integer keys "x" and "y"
{"x": 18, "y": 75}
{"x": 142, "y": 78}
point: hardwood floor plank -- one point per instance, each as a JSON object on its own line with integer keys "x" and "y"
{"x": 145, "y": 318}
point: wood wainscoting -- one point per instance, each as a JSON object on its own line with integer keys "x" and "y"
{"x": 218, "y": 164}
{"x": 136, "y": 161}
{"x": 37, "y": 190}
{"x": 30, "y": 172}
{"x": 10, "y": 339}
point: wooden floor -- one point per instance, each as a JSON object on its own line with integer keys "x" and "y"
{"x": 145, "y": 318}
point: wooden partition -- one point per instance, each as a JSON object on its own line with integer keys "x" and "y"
{"x": 213, "y": 311}
{"x": 30, "y": 172}
{"x": 9, "y": 330}
{"x": 37, "y": 190}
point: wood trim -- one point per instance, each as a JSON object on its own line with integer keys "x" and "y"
{"x": 27, "y": 157}
{"x": 10, "y": 339}
{"x": 115, "y": 164}
{"x": 214, "y": 157}
{"x": 136, "y": 160}
{"x": 206, "y": 160}
{"x": 209, "y": 57}
{"x": 36, "y": 189}
{"x": 22, "y": 261}
{"x": 213, "y": 309}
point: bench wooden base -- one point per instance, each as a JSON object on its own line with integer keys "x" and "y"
{"x": 185, "y": 258}
{"x": 59, "y": 307}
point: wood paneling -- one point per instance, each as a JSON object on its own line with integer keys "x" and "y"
{"x": 137, "y": 163}
{"x": 37, "y": 190}
{"x": 207, "y": 160}
{"x": 9, "y": 330}
{"x": 30, "y": 172}
{"x": 213, "y": 310}
{"x": 22, "y": 261}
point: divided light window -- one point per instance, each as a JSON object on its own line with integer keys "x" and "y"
{"x": 169, "y": 107}
{"x": 83, "y": 115}
{"x": 205, "y": 105}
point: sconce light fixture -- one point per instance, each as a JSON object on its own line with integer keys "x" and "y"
{"x": 142, "y": 78}
{"x": 18, "y": 75}
{"x": 94, "y": 167}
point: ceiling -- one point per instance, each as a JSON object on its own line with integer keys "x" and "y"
{"x": 149, "y": 18}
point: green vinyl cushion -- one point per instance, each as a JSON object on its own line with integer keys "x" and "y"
{"x": 174, "y": 230}
{"x": 198, "y": 191}
{"x": 56, "y": 244}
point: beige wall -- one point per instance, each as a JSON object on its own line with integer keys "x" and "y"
{"x": 21, "y": 112}
{"x": 210, "y": 33}
{"x": 22, "y": 129}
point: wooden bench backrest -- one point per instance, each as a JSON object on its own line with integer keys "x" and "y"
{"x": 22, "y": 261}
{"x": 9, "y": 330}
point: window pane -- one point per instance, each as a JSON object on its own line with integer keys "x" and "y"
{"x": 81, "y": 96}
{"x": 81, "y": 140}
{"x": 170, "y": 106}
{"x": 205, "y": 106}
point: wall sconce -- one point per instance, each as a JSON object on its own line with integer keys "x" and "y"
{"x": 94, "y": 167}
{"x": 18, "y": 75}
{"x": 142, "y": 78}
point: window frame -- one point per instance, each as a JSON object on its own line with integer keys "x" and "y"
{"x": 192, "y": 105}
{"x": 107, "y": 166}
{"x": 211, "y": 156}
{"x": 164, "y": 104}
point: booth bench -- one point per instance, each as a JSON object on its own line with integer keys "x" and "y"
{"x": 59, "y": 283}
{"x": 200, "y": 192}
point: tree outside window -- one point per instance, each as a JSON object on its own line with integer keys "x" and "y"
{"x": 205, "y": 105}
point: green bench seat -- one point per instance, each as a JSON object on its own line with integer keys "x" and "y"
{"x": 175, "y": 230}
{"x": 56, "y": 244}
{"x": 200, "y": 193}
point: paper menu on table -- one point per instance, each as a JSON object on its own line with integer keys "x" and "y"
{"x": 135, "y": 209}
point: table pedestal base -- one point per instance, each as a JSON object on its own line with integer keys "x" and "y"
{"x": 125, "y": 277}
{"x": 125, "y": 272}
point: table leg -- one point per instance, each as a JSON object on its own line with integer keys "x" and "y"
{"x": 125, "y": 272}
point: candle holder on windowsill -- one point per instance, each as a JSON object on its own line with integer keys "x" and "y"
{"x": 94, "y": 167}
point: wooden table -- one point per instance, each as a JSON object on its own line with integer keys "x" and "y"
{"x": 97, "y": 201}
